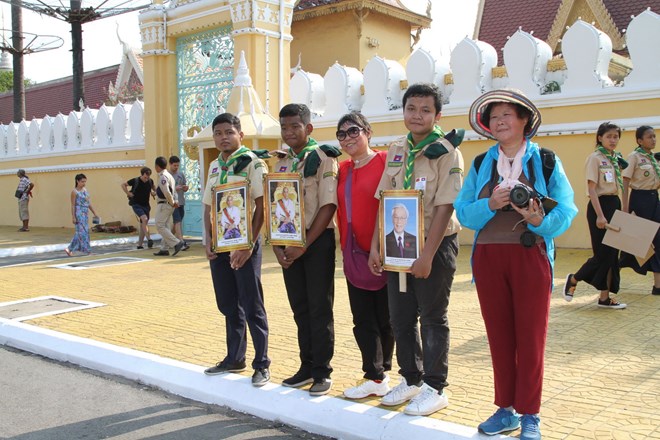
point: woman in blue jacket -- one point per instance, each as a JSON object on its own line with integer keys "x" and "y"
{"x": 513, "y": 253}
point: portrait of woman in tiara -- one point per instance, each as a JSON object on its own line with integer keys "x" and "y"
{"x": 285, "y": 210}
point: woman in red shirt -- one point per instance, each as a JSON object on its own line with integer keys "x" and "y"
{"x": 358, "y": 180}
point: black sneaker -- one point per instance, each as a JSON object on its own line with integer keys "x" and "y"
{"x": 655, "y": 291}
{"x": 260, "y": 377}
{"x": 611, "y": 303}
{"x": 150, "y": 243}
{"x": 320, "y": 387}
{"x": 223, "y": 367}
{"x": 186, "y": 246}
{"x": 140, "y": 247}
{"x": 299, "y": 379}
{"x": 178, "y": 247}
{"x": 161, "y": 253}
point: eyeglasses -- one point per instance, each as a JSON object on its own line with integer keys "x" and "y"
{"x": 352, "y": 133}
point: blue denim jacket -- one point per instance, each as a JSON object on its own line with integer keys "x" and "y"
{"x": 474, "y": 213}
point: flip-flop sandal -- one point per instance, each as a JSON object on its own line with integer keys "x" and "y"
{"x": 68, "y": 252}
{"x": 569, "y": 288}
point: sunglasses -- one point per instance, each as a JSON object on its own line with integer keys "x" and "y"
{"x": 352, "y": 132}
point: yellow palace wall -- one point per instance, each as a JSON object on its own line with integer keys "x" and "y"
{"x": 51, "y": 206}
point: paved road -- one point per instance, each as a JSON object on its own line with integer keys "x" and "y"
{"x": 45, "y": 400}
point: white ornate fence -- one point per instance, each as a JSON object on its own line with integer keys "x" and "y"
{"x": 91, "y": 130}
{"x": 586, "y": 51}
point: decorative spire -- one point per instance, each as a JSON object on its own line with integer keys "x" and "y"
{"x": 243, "y": 75}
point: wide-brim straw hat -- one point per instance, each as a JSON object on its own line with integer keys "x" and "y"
{"x": 511, "y": 96}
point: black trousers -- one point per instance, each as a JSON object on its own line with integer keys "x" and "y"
{"x": 372, "y": 330}
{"x": 645, "y": 204}
{"x": 601, "y": 270}
{"x": 310, "y": 287}
{"x": 240, "y": 298}
{"x": 427, "y": 300}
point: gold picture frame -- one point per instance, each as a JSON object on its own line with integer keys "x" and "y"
{"x": 400, "y": 228}
{"x": 284, "y": 209}
{"x": 231, "y": 217}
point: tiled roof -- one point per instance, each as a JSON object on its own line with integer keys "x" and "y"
{"x": 56, "y": 96}
{"x": 621, "y": 10}
{"x": 502, "y": 18}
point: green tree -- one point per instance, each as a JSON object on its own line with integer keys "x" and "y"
{"x": 7, "y": 81}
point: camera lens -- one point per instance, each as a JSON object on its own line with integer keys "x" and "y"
{"x": 520, "y": 195}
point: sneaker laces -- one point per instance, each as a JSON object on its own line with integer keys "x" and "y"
{"x": 500, "y": 415}
{"x": 530, "y": 423}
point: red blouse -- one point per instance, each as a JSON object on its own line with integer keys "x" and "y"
{"x": 364, "y": 204}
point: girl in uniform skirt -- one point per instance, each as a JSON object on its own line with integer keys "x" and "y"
{"x": 641, "y": 181}
{"x": 604, "y": 181}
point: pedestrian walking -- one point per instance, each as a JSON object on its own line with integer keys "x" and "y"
{"x": 604, "y": 181}
{"x": 141, "y": 189}
{"x": 167, "y": 202}
{"x": 80, "y": 207}
{"x": 641, "y": 180}
{"x": 181, "y": 186}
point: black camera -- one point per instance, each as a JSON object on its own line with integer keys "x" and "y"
{"x": 521, "y": 194}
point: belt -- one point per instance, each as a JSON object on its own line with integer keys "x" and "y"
{"x": 162, "y": 201}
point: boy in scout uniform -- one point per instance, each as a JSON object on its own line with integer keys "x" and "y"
{"x": 167, "y": 202}
{"x": 309, "y": 270}
{"x": 427, "y": 161}
{"x": 236, "y": 275}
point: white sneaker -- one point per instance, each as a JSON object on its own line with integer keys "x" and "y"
{"x": 426, "y": 402}
{"x": 400, "y": 394}
{"x": 368, "y": 388}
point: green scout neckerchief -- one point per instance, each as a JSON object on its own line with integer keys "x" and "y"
{"x": 297, "y": 158}
{"x": 651, "y": 159}
{"x": 224, "y": 166}
{"x": 414, "y": 149}
{"x": 615, "y": 163}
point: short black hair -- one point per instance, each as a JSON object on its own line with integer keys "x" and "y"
{"x": 297, "y": 110}
{"x": 604, "y": 128}
{"x": 227, "y": 118}
{"x": 161, "y": 162}
{"x": 639, "y": 133}
{"x": 145, "y": 170}
{"x": 174, "y": 159}
{"x": 424, "y": 89}
{"x": 356, "y": 118}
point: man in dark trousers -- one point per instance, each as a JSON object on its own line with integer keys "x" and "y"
{"x": 138, "y": 190}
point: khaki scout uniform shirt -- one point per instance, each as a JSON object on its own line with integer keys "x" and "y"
{"x": 253, "y": 173}
{"x": 443, "y": 176}
{"x": 600, "y": 170}
{"x": 166, "y": 184}
{"x": 641, "y": 172}
{"x": 319, "y": 189}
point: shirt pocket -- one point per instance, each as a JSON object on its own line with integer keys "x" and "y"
{"x": 395, "y": 176}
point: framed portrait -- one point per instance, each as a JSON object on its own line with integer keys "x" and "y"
{"x": 231, "y": 217}
{"x": 401, "y": 228}
{"x": 284, "y": 209}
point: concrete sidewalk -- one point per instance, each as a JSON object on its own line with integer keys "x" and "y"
{"x": 159, "y": 322}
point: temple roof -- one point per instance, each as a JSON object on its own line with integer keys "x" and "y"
{"x": 548, "y": 19}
